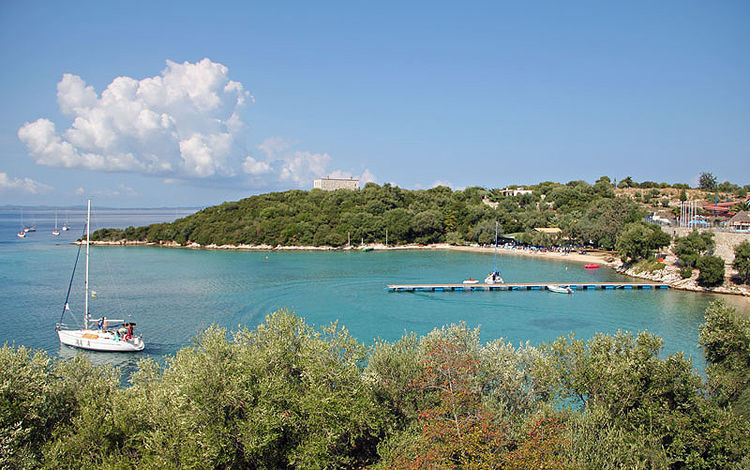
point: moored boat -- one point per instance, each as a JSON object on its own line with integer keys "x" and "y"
{"x": 494, "y": 277}
{"x": 99, "y": 334}
{"x": 559, "y": 289}
{"x": 56, "y": 232}
{"x": 591, "y": 266}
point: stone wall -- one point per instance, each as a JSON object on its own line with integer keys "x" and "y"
{"x": 725, "y": 241}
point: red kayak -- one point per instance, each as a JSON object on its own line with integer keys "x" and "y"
{"x": 591, "y": 266}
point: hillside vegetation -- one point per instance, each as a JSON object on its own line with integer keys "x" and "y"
{"x": 586, "y": 213}
{"x": 286, "y": 395}
{"x": 592, "y": 215}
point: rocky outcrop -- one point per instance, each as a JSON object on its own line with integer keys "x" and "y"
{"x": 670, "y": 274}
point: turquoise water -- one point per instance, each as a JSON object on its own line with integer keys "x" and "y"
{"x": 175, "y": 293}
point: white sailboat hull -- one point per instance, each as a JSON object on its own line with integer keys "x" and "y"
{"x": 96, "y": 340}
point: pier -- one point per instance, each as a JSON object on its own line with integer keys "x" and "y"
{"x": 522, "y": 286}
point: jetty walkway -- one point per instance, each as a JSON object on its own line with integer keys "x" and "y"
{"x": 521, "y": 286}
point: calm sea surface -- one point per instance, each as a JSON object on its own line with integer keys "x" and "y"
{"x": 175, "y": 293}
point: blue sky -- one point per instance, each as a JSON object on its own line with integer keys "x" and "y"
{"x": 181, "y": 103}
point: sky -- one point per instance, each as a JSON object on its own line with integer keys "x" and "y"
{"x": 155, "y": 104}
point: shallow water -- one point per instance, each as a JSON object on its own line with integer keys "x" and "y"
{"x": 175, "y": 293}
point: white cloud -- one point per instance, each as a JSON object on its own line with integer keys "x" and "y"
{"x": 447, "y": 183}
{"x": 254, "y": 167}
{"x": 273, "y": 145}
{"x": 284, "y": 164}
{"x": 303, "y": 167}
{"x": 367, "y": 177}
{"x": 180, "y": 123}
{"x": 24, "y": 185}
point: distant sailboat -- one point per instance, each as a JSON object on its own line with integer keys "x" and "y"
{"x": 101, "y": 334}
{"x": 56, "y": 232}
{"x": 30, "y": 228}
{"x": 65, "y": 226}
{"x": 21, "y": 233}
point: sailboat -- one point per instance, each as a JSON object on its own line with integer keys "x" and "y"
{"x": 30, "y": 228}
{"x": 494, "y": 277}
{"x": 65, "y": 226}
{"x": 21, "y": 233}
{"x": 100, "y": 334}
{"x": 56, "y": 232}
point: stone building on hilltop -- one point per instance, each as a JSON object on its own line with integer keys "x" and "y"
{"x": 332, "y": 184}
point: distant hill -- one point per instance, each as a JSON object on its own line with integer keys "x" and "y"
{"x": 586, "y": 213}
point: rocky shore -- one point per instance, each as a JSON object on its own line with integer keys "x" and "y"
{"x": 670, "y": 274}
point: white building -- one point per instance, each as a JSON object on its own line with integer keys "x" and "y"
{"x": 515, "y": 192}
{"x": 332, "y": 184}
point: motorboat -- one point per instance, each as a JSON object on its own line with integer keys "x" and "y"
{"x": 559, "y": 289}
{"x": 591, "y": 266}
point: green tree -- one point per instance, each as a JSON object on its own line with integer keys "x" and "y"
{"x": 692, "y": 246}
{"x": 725, "y": 338}
{"x": 638, "y": 241}
{"x": 707, "y": 181}
{"x": 637, "y": 409}
{"x": 742, "y": 261}
{"x": 711, "y": 271}
{"x": 626, "y": 182}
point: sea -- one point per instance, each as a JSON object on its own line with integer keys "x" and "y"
{"x": 174, "y": 293}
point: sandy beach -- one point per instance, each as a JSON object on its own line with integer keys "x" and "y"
{"x": 604, "y": 259}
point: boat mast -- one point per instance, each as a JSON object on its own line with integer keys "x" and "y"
{"x": 495, "y": 247}
{"x": 86, "y": 302}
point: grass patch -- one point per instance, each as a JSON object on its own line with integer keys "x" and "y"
{"x": 648, "y": 265}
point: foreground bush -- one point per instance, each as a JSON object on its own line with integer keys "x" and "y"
{"x": 286, "y": 395}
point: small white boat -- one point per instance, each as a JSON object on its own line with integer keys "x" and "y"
{"x": 21, "y": 233}
{"x": 559, "y": 289}
{"x": 494, "y": 277}
{"x": 56, "y": 232}
{"x": 65, "y": 226}
{"x": 471, "y": 280}
{"x": 100, "y": 334}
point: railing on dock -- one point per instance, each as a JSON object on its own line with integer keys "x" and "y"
{"x": 521, "y": 286}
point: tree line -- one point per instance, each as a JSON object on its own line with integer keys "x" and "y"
{"x": 587, "y": 214}
{"x": 287, "y": 395}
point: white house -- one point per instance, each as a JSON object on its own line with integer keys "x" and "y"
{"x": 516, "y": 192}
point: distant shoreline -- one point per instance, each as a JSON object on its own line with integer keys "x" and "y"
{"x": 592, "y": 257}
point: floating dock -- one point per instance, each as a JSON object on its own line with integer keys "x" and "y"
{"x": 521, "y": 286}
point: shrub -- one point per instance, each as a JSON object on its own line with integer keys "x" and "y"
{"x": 686, "y": 272}
{"x": 712, "y": 271}
{"x": 742, "y": 261}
